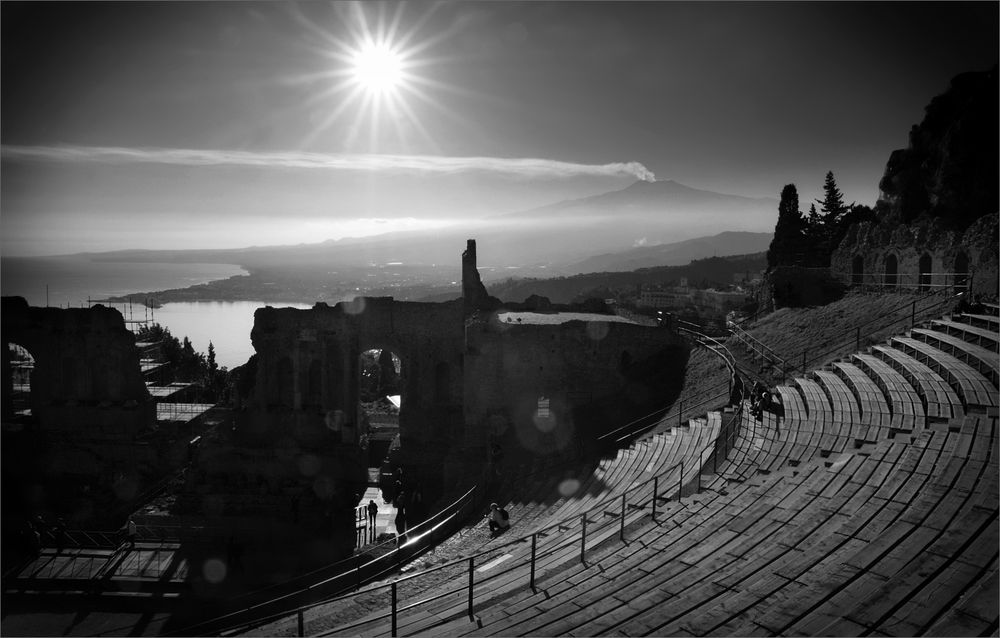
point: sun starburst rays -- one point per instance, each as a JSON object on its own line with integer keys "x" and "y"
{"x": 375, "y": 69}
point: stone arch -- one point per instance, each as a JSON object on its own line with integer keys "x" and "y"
{"x": 891, "y": 270}
{"x": 925, "y": 267}
{"x": 857, "y": 270}
{"x": 18, "y": 368}
{"x": 961, "y": 271}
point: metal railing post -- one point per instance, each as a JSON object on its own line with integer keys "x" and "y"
{"x": 680, "y": 412}
{"x": 701, "y": 464}
{"x": 656, "y": 482}
{"x": 471, "y": 580}
{"x": 534, "y": 542}
{"x": 804, "y": 360}
{"x": 857, "y": 340}
{"x": 393, "y": 608}
{"x": 358, "y": 573}
{"x": 302, "y": 623}
{"x": 621, "y": 531}
{"x": 583, "y": 536}
{"x": 680, "y": 484}
{"x": 913, "y": 314}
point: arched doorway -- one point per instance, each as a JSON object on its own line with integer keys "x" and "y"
{"x": 891, "y": 267}
{"x": 857, "y": 270}
{"x": 380, "y": 401}
{"x": 961, "y": 272}
{"x": 21, "y": 364}
{"x": 925, "y": 267}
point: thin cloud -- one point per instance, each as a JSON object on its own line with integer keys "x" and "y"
{"x": 517, "y": 167}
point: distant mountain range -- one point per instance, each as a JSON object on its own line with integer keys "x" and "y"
{"x": 666, "y": 197}
{"x": 677, "y": 253}
{"x": 560, "y": 238}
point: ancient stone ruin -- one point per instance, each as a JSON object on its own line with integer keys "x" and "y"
{"x": 471, "y": 385}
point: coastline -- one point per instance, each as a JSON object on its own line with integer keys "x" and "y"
{"x": 291, "y": 286}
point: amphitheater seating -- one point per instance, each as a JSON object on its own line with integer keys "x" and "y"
{"x": 985, "y": 360}
{"x": 969, "y": 333}
{"x": 990, "y": 322}
{"x": 940, "y": 401}
{"x": 975, "y": 390}
{"x": 869, "y": 508}
{"x": 904, "y": 401}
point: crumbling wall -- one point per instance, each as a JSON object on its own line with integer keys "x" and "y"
{"x": 871, "y": 245}
{"x": 594, "y": 375}
{"x": 300, "y": 419}
{"x": 79, "y": 450}
{"x": 86, "y": 372}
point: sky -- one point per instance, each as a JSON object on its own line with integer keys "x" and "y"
{"x": 227, "y": 124}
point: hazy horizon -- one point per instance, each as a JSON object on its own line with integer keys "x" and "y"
{"x": 229, "y": 125}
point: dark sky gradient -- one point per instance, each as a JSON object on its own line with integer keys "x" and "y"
{"x": 735, "y": 97}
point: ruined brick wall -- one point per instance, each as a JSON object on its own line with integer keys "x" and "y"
{"x": 915, "y": 246}
{"x": 301, "y": 419}
{"x": 87, "y": 372}
{"x": 79, "y": 453}
{"x": 596, "y": 376}
{"x": 308, "y": 367}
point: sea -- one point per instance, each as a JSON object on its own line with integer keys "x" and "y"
{"x": 78, "y": 281}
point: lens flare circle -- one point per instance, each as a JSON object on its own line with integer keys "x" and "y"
{"x": 378, "y": 67}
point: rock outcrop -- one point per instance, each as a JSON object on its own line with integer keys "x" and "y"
{"x": 950, "y": 169}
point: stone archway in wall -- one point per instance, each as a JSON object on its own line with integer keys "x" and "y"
{"x": 19, "y": 364}
{"x": 380, "y": 401}
{"x": 925, "y": 267}
{"x": 891, "y": 273}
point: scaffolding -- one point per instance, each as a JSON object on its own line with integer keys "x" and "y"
{"x": 134, "y": 320}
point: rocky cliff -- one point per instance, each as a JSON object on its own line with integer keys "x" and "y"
{"x": 950, "y": 169}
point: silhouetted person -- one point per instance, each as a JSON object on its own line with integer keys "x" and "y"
{"x": 372, "y": 513}
{"x": 498, "y": 517}
{"x": 59, "y": 533}
{"x": 130, "y": 533}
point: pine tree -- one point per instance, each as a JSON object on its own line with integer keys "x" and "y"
{"x": 832, "y": 203}
{"x": 814, "y": 219}
{"x": 212, "y": 365}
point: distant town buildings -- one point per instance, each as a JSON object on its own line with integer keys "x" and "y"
{"x": 680, "y": 296}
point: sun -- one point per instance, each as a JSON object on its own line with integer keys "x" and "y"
{"x": 374, "y": 71}
{"x": 378, "y": 68}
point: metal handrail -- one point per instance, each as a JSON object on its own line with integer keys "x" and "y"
{"x": 637, "y": 426}
{"x": 754, "y": 344}
{"x": 846, "y": 337}
{"x": 788, "y": 366}
{"x": 630, "y": 430}
{"x": 345, "y": 569}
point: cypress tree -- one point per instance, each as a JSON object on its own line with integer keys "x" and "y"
{"x": 789, "y": 232}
